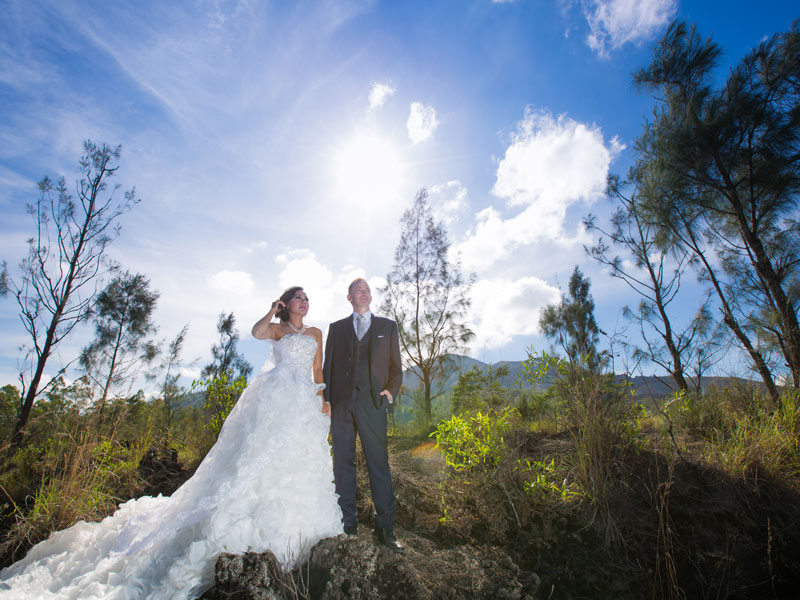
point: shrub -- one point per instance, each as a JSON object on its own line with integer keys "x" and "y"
{"x": 475, "y": 441}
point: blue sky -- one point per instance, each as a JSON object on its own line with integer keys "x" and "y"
{"x": 278, "y": 143}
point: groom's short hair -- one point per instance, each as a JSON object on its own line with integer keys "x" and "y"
{"x": 352, "y": 283}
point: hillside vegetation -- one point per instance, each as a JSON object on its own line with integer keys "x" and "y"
{"x": 588, "y": 493}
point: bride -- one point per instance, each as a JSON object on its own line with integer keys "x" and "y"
{"x": 265, "y": 485}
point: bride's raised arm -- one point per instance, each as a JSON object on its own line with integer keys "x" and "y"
{"x": 265, "y": 329}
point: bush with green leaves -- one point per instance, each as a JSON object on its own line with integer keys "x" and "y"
{"x": 221, "y": 393}
{"x": 541, "y": 480}
{"x": 474, "y": 442}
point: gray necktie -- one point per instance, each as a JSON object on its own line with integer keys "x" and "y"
{"x": 361, "y": 326}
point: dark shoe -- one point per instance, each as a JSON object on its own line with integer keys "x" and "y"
{"x": 385, "y": 537}
{"x": 351, "y": 529}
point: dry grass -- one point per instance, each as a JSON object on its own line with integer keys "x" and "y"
{"x": 85, "y": 472}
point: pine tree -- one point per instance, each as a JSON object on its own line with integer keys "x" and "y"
{"x": 428, "y": 297}
{"x": 571, "y": 322}
{"x": 123, "y": 320}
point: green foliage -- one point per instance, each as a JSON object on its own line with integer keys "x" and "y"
{"x": 225, "y": 355}
{"x": 167, "y": 373}
{"x": 541, "y": 480}
{"x": 9, "y": 400}
{"x": 720, "y": 159}
{"x": 572, "y": 324}
{"x": 479, "y": 390}
{"x": 123, "y": 319}
{"x": 702, "y": 414}
{"x": 81, "y": 471}
{"x": 474, "y": 442}
{"x": 538, "y": 368}
{"x": 221, "y": 394}
{"x": 444, "y": 507}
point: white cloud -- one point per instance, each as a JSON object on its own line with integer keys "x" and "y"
{"x": 421, "y": 123}
{"x": 379, "y": 94}
{"x": 503, "y": 308}
{"x": 190, "y": 373}
{"x": 300, "y": 267}
{"x": 231, "y": 281}
{"x": 448, "y": 201}
{"x": 326, "y": 289}
{"x": 550, "y": 165}
{"x": 613, "y": 23}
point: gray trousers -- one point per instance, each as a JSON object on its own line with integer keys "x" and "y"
{"x": 360, "y": 416}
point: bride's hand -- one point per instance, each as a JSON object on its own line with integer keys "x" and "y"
{"x": 277, "y": 305}
{"x": 326, "y": 408}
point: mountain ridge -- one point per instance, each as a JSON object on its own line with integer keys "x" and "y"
{"x": 644, "y": 386}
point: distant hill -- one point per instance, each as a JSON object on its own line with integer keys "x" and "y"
{"x": 645, "y": 387}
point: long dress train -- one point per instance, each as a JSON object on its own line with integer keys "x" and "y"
{"x": 266, "y": 484}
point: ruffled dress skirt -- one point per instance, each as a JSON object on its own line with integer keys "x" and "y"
{"x": 267, "y": 484}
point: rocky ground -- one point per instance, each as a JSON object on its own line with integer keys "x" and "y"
{"x": 435, "y": 565}
{"x": 682, "y": 532}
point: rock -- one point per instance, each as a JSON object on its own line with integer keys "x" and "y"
{"x": 354, "y": 568}
{"x": 351, "y": 568}
{"x": 343, "y": 568}
{"x": 249, "y": 576}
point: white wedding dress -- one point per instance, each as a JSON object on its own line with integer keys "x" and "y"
{"x": 265, "y": 485}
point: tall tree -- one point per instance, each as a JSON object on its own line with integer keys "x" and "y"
{"x": 65, "y": 264}
{"x": 225, "y": 354}
{"x": 691, "y": 228}
{"x": 123, "y": 320}
{"x": 428, "y": 297}
{"x": 730, "y": 153}
{"x": 571, "y": 322}
{"x": 655, "y": 275}
{"x": 167, "y": 375}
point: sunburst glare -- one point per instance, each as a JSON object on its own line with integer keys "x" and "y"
{"x": 368, "y": 169}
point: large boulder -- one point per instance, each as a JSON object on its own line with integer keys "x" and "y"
{"x": 354, "y": 568}
{"x": 342, "y": 568}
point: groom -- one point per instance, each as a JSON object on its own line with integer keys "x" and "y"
{"x": 363, "y": 374}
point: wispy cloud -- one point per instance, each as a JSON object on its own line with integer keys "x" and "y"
{"x": 379, "y": 94}
{"x": 448, "y": 202}
{"x": 613, "y": 23}
{"x": 421, "y": 123}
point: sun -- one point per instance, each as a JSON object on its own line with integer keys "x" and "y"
{"x": 369, "y": 170}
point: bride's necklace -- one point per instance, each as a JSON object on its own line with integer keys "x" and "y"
{"x": 295, "y": 329}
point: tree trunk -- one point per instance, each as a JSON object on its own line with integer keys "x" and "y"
{"x": 788, "y": 318}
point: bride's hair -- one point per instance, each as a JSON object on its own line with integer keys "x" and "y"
{"x": 282, "y": 313}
